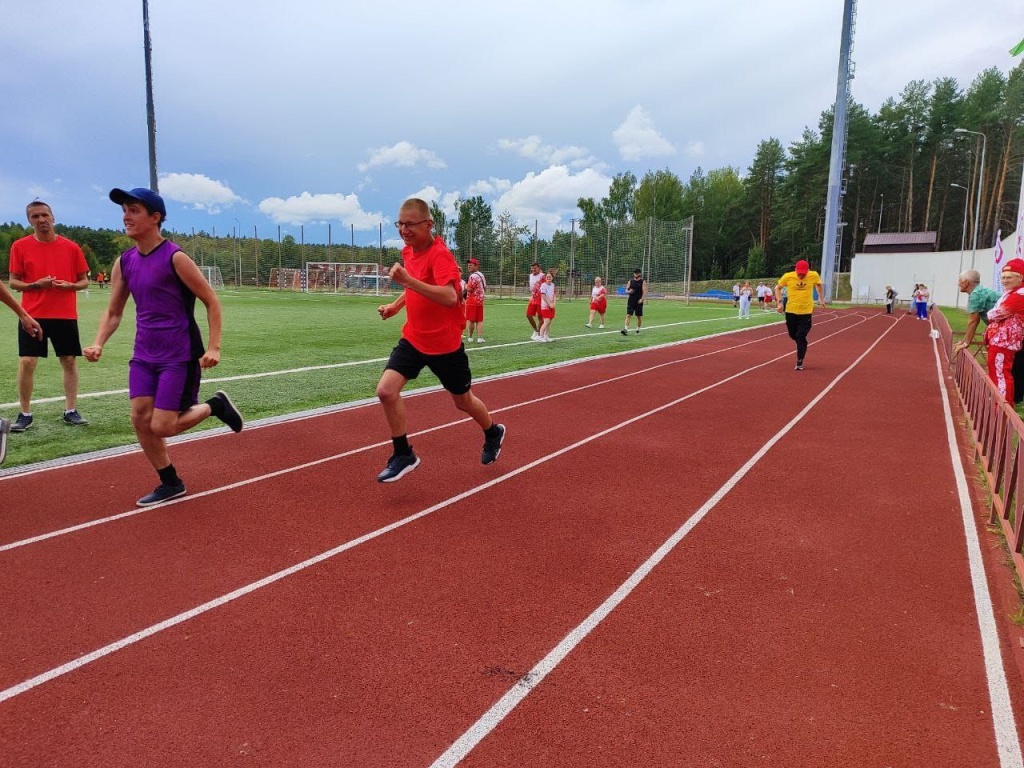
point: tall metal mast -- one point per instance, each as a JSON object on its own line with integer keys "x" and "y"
{"x": 832, "y": 244}
{"x": 150, "y": 111}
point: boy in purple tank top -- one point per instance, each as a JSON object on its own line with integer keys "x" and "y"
{"x": 164, "y": 372}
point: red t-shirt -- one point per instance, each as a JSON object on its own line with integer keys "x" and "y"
{"x": 431, "y": 327}
{"x": 61, "y": 259}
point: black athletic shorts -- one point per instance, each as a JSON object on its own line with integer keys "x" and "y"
{"x": 635, "y": 308}
{"x": 452, "y": 369}
{"x": 63, "y": 334}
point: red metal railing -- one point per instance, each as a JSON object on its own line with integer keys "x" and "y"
{"x": 998, "y": 436}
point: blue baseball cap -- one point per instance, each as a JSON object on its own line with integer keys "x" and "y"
{"x": 153, "y": 202}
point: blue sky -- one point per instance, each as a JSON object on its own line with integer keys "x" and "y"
{"x": 314, "y": 111}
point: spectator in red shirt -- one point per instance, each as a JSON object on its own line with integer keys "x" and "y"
{"x": 431, "y": 338}
{"x": 1005, "y": 331}
{"x": 48, "y": 269}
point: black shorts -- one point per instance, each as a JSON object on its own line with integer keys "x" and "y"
{"x": 452, "y": 369}
{"x": 635, "y": 308}
{"x": 63, "y": 334}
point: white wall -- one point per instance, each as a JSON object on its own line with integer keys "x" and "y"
{"x": 871, "y": 272}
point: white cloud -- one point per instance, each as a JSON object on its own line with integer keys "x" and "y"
{"x": 491, "y": 187}
{"x": 199, "y": 191}
{"x": 534, "y": 148}
{"x": 550, "y": 196}
{"x": 307, "y": 208}
{"x": 403, "y": 155}
{"x": 696, "y": 150}
{"x": 637, "y": 138}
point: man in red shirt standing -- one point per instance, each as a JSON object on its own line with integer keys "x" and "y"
{"x": 49, "y": 270}
{"x": 431, "y": 338}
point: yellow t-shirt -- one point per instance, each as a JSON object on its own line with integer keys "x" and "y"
{"x": 800, "y": 291}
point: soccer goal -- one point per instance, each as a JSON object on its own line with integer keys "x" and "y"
{"x": 345, "y": 277}
{"x": 287, "y": 279}
{"x": 213, "y": 277}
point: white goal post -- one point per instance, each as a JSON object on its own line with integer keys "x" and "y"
{"x": 345, "y": 277}
{"x": 213, "y": 277}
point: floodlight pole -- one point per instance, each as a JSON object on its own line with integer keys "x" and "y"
{"x": 963, "y": 232}
{"x": 150, "y": 110}
{"x": 831, "y": 247}
{"x": 981, "y": 185}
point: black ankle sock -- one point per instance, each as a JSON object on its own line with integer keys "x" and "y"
{"x": 401, "y": 444}
{"x": 216, "y": 406}
{"x": 492, "y": 431}
{"x": 169, "y": 475}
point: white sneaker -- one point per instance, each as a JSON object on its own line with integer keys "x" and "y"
{"x": 587, "y": 325}
{"x": 535, "y": 336}
{"x": 600, "y": 326}
{"x": 479, "y": 340}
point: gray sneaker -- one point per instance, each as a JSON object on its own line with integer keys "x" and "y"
{"x": 74, "y": 419}
{"x": 163, "y": 492}
{"x": 399, "y": 465}
{"x": 492, "y": 446}
{"x": 23, "y": 422}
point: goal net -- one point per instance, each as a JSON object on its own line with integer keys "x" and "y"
{"x": 662, "y": 250}
{"x": 346, "y": 277}
{"x": 287, "y": 279}
{"x": 213, "y": 277}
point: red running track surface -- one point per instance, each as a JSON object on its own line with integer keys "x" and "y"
{"x": 690, "y": 555}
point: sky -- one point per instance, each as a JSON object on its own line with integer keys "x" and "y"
{"x": 320, "y": 117}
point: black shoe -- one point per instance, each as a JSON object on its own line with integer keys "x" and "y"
{"x": 23, "y": 422}
{"x": 74, "y": 419}
{"x": 163, "y": 492}
{"x": 229, "y": 414}
{"x": 492, "y": 446}
{"x": 398, "y": 466}
{"x": 624, "y": 332}
{"x": 5, "y": 427}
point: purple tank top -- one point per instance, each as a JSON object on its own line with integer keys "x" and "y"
{"x": 166, "y": 330}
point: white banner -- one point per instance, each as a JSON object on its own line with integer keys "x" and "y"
{"x": 1018, "y": 252}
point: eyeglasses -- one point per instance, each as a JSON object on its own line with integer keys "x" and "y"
{"x": 409, "y": 224}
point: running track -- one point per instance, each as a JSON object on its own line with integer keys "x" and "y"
{"x": 690, "y": 555}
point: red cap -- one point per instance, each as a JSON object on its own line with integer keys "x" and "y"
{"x": 474, "y": 262}
{"x": 1014, "y": 265}
{"x": 802, "y": 267}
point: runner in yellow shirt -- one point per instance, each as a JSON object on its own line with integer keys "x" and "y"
{"x": 800, "y": 285}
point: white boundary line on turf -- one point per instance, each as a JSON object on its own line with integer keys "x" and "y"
{"x": 368, "y": 361}
{"x": 490, "y": 720}
{"x": 1004, "y": 724}
{"x": 309, "y": 464}
{"x": 71, "y": 666}
{"x": 92, "y": 456}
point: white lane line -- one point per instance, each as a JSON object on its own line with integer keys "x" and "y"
{"x": 1007, "y": 739}
{"x": 173, "y": 621}
{"x": 504, "y": 706}
{"x": 368, "y": 361}
{"x": 307, "y": 465}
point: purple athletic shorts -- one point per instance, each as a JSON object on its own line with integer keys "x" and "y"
{"x": 173, "y": 386}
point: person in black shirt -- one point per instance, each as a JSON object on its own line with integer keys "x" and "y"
{"x": 636, "y": 290}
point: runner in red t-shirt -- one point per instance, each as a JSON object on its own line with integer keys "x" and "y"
{"x": 49, "y": 270}
{"x": 431, "y": 338}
